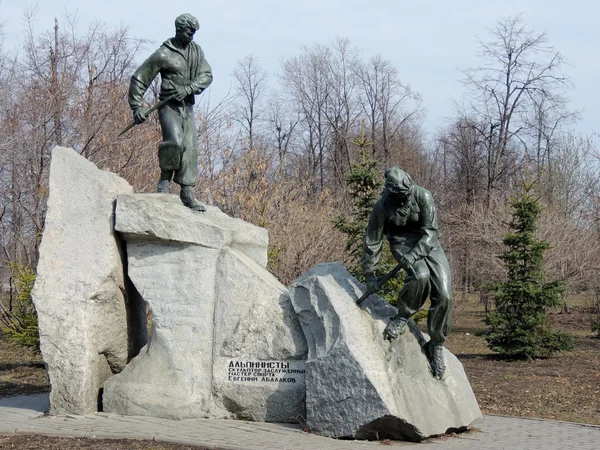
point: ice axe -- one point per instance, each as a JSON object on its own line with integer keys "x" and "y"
{"x": 160, "y": 104}
{"x": 384, "y": 279}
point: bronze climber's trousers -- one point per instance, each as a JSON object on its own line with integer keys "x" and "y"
{"x": 428, "y": 277}
{"x": 178, "y": 128}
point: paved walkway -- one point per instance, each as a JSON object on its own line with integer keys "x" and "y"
{"x": 24, "y": 415}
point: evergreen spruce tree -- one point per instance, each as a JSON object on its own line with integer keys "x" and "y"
{"x": 365, "y": 184}
{"x": 19, "y": 322}
{"x": 518, "y": 327}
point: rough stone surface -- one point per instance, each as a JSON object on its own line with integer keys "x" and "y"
{"x": 218, "y": 317}
{"x": 254, "y": 321}
{"x": 160, "y": 217}
{"x": 361, "y": 386}
{"x": 79, "y": 290}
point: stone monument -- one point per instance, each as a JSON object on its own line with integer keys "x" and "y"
{"x": 224, "y": 339}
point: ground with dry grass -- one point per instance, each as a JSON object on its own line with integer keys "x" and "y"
{"x": 566, "y": 387}
{"x": 21, "y": 370}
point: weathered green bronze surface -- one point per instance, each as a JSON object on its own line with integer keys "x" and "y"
{"x": 185, "y": 73}
{"x": 405, "y": 214}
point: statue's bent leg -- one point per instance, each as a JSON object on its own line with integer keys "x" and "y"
{"x": 415, "y": 290}
{"x": 440, "y": 312}
{"x": 411, "y": 298}
{"x": 188, "y": 170}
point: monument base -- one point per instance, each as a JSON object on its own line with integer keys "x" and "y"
{"x": 359, "y": 385}
{"x": 225, "y": 341}
{"x": 226, "y": 338}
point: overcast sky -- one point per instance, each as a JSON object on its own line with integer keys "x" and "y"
{"x": 428, "y": 41}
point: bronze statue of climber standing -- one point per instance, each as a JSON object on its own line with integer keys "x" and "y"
{"x": 185, "y": 73}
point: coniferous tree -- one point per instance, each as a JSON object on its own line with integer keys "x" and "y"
{"x": 519, "y": 327}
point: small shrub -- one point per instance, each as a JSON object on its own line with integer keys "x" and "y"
{"x": 19, "y": 318}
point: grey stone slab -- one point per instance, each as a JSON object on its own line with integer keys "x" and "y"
{"x": 357, "y": 384}
{"x": 225, "y": 340}
{"x": 79, "y": 289}
{"x": 161, "y": 217}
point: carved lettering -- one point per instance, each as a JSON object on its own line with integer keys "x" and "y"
{"x": 265, "y": 371}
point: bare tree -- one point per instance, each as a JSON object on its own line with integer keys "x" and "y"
{"x": 217, "y": 138}
{"x": 251, "y": 82}
{"x": 387, "y": 103}
{"x": 548, "y": 117}
{"x": 462, "y": 151}
{"x": 63, "y": 89}
{"x": 573, "y": 178}
{"x": 342, "y": 108}
{"x": 308, "y": 85}
{"x": 464, "y": 156}
{"x": 282, "y": 124}
{"x": 518, "y": 66}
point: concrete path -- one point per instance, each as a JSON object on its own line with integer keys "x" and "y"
{"x": 24, "y": 415}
